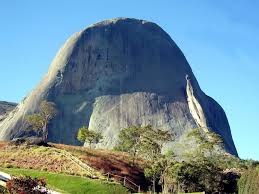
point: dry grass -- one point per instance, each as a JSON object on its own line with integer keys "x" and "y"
{"x": 107, "y": 161}
{"x": 38, "y": 158}
{"x": 51, "y": 159}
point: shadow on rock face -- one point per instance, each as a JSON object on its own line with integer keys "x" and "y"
{"x": 115, "y": 74}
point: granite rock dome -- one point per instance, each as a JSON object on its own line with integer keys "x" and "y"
{"x": 5, "y": 108}
{"x": 115, "y": 74}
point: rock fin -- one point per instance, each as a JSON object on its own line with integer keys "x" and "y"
{"x": 194, "y": 106}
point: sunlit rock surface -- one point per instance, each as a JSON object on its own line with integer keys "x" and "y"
{"x": 5, "y": 109}
{"x": 119, "y": 73}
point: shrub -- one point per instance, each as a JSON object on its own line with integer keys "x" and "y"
{"x": 26, "y": 184}
{"x": 89, "y": 136}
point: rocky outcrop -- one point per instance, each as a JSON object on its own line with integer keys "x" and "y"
{"x": 5, "y": 108}
{"x": 194, "y": 106}
{"x": 115, "y": 74}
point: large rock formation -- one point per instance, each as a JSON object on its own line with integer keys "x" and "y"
{"x": 115, "y": 74}
{"x": 5, "y": 108}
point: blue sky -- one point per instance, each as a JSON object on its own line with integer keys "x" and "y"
{"x": 219, "y": 39}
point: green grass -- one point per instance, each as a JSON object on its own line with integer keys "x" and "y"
{"x": 71, "y": 184}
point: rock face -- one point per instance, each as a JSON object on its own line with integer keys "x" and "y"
{"x": 5, "y": 108}
{"x": 115, "y": 74}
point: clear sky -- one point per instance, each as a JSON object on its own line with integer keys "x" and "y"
{"x": 220, "y": 39}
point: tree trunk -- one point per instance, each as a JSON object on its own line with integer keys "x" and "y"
{"x": 45, "y": 133}
{"x": 134, "y": 157}
{"x": 165, "y": 187}
{"x": 154, "y": 185}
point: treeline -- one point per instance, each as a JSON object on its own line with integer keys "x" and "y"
{"x": 201, "y": 170}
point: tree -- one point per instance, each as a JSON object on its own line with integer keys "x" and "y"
{"x": 39, "y": 121}
{"x": 142, "y": 141}
{"x": 206, "y": 142}
{"x": 151, "y": 145}
{"x": 200, "y": 175}
{"x": 129, "y": 141}
{"x": 203, "y": 169}
{"x": 158, "y": 171}
{"x": 86, "y": 135}
{"x": 145, "y": 142}
{"x": 152, "y": 141}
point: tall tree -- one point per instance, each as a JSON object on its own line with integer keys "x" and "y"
{"x": 145, "y": 142}
{"x": 86, "y": 135}
{"x": 206, "y": 142}
{"x": 40, "y": 120}
{"x": 129, "y": 141}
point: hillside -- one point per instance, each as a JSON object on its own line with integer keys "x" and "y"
{"x": 72, "y": 160}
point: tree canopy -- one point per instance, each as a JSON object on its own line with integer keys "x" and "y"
{"x": 142, "y": 141}
{"x": 147, "y": 143}
{"x": 88, "y": 136}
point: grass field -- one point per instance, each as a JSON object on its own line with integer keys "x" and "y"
{"x": 71, "y": 184}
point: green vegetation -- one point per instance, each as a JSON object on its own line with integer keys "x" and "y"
{"x": 145, "y": 142}
{"x": 201, "y": 171}
{"x": 86, "y": 135}
{"x": 142, "y": 141}
{"x": 249, "y": 182}
{"x": 200, "y": 175}
{"x": 39, "y": 121}
{"x": 206, "y": 143}
{"x": 204, "y": 169}
{"x": 129, "y": 140}
{"x": 71, "y": 184}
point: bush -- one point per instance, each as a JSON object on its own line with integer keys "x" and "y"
{"x": 26, "y": 185}
{"x": 201, "y": 176}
